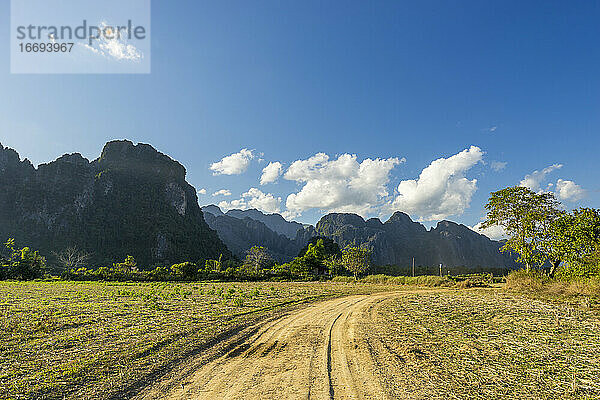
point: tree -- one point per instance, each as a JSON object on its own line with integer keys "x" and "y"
{"x": 257, "y": 259}
{"x": 185, "y": 270}
{"x": 127, "y": 266}
{"x": 22, "y": 264}
{"x": 556, "y": 244}
{"x": 312, "y": 262}
{"x": 331, "y": 248}
{"x": 334, "y": 265}
{"x": 528, "y": 220}
{"x": 357, "y": 260}
{"x": 575, "y": 240}
{"x": 72, "y": 257}
{"x": 214, "y": 265}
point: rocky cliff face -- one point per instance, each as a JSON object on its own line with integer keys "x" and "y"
{"x": 133, "y": 200}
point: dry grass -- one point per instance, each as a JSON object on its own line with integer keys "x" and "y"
{"x": 486, "y": 345}
{"x": 536, "y": 284}
{"x": 100, "y": 340}
{"x": 462, "y": 282}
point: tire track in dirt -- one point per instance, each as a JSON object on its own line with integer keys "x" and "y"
{"x": 312, "y": 353}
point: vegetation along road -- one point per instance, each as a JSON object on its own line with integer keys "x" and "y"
{"x": 410, "y": 344}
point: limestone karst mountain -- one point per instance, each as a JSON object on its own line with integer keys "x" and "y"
{"x": 132, "y": 200}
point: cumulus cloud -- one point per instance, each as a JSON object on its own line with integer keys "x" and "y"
{"x": 233, "y": 164}
{"x": 498, "y": 165}
{"x": 115, "y": 46}
{"x": 254, "y": 198}
{"x": 271, "y": 173}
{"x": 495, "y": 232}
{"x": 569, "y": 190}
{"x": 339, "y": 185}
{"x": 534, "y": 180}
{"x": 202, "y": 191}
{"x": 441, "y": 189}
{"x": 222, "y": 192}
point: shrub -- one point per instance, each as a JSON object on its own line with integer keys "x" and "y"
{"x": 523, "y": 280}
{"x": 345, "y": 279}
{"x": 186, "y": 270}
{"x": 21, "y": 264}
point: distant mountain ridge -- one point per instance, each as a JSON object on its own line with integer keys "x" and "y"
{"x": 240, "y": 234}
{"x": 275, "y": 222}
{"x": 399, "y": 239}
{"x": 394, "y": 242}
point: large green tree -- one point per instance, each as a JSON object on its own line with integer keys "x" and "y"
{"x": 312, "y": 261}
{"x": 575, "y": 240}
{"x": 21, "y": 264}
{"x": 528, "y": 219}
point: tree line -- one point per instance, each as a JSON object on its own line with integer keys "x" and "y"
{"x": 320, "y": 259}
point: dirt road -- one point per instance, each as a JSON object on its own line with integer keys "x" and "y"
{"x": 312, "y": 353}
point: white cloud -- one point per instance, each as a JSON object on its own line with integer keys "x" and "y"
{"x": 569, "y": 190}
{"x": 534, "y": 180}
{"x": 202, "y": 191}
{"x": 494, "y": 232}
{"x": 254, "y": 198}
{"x": 340, "y": 185}
{"x": 222, "y": 192}
{"x": 271, "y": 173}
{"x": 441, "y": 189}
{"x": 492, "y": 129}
{"x": 233, "y": 164}
{"x": 115, "y": 47}
{"x": 498, "y": 165}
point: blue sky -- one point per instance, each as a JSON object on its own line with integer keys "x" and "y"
{"x": 389, "y": 80}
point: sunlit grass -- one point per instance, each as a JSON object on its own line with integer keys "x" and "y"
{"x": 83, "y": 339}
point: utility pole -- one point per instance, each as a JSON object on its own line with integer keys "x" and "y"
{"x": 413, "y": 267}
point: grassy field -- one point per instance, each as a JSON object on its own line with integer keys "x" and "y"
{"x": 487, "y": 345}
{"x": 101, "y": 340}
{"x": 107, "y": 340}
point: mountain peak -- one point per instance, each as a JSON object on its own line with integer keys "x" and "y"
{"x": 400, "y": 217}
{"x": 212, "y": 209}
{"x": 342, "y": 219}
{"x": 449, "y": 226}
{"x": 74, "y": 158}
{"x": 141, "y": 157}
